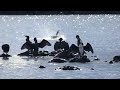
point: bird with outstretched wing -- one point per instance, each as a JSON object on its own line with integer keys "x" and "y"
{"x": 42, "y": 44}
{"x": 27, "y": 46}
{"x": 88, "y": 48}
{"x": 75, "y": 48}
{"x": 61, "y": 45}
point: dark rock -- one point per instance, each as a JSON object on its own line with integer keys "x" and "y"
{"x": 66, "y": 54}
{"x": 116, "y": 58}
{"x": 57, "y": 60}
{"x": 69, "y": 68}
{"x": 83, "y": 59}
{"x": 41, "y": 67}
{"x": 92, "y": 68}
{"x": 53, "y": 53}
{"x": 105, "y": 61}
{"x": 96, "y": 59}
{"x": 111, "y": 62}
{"x": 40, "y": 53}
{"x": 26, "y": 53}
{"x": 5, "y": 55}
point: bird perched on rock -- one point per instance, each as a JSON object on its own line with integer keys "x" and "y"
{"x": 5, "y": 48}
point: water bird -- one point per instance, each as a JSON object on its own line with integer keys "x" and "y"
{"x": 69, "y": 52}
{"x": 42, "y": 44}
{"x": 80, "y": 46}
{"x": 56, "y": 36}
{"x": 87, "y": 47}
{"x": 5, "y": 48}
{"x": 61, "y": 45}
{"x": 27, "y": 45}
{"x": 33, "y": 47}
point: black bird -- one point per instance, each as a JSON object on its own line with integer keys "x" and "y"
{"x": 5, "y": 48}
{"x": 56, "y": 36}
{"x": 61, "y": 45}
{"x": 33, "y": 47}
{"x": 88, "y": 48}
{"x": 57, "y": 32}
{"x": 27, "y": 44}
{"x": 42, "y": 44}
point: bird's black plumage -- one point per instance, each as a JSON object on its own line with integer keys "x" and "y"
{"x": 42, "y": 44}
{"x": 61, "y": 45}
{"x": 87, "y": 47}
{"x": 5, "y": 48}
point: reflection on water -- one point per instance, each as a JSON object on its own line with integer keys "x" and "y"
{"x": 5, "y": 58}
{"x": 27, "y": 67}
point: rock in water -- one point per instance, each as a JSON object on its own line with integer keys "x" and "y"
{"x": 26, "y": 53}
{"x": 5, "y": 55}
{"x": 92, "y": 68}
{"x": 97, "y": 59}
{"x": 111, "y": 62}
{"x": 41, "y": 66}
{"x": 83, "y": 59}
{"x": 57, "y": 60}
{"x": 69, "y": 68}
{"x": 116, "y": 58}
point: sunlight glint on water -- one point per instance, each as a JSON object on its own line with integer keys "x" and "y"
{"x": 101, "y": 31}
